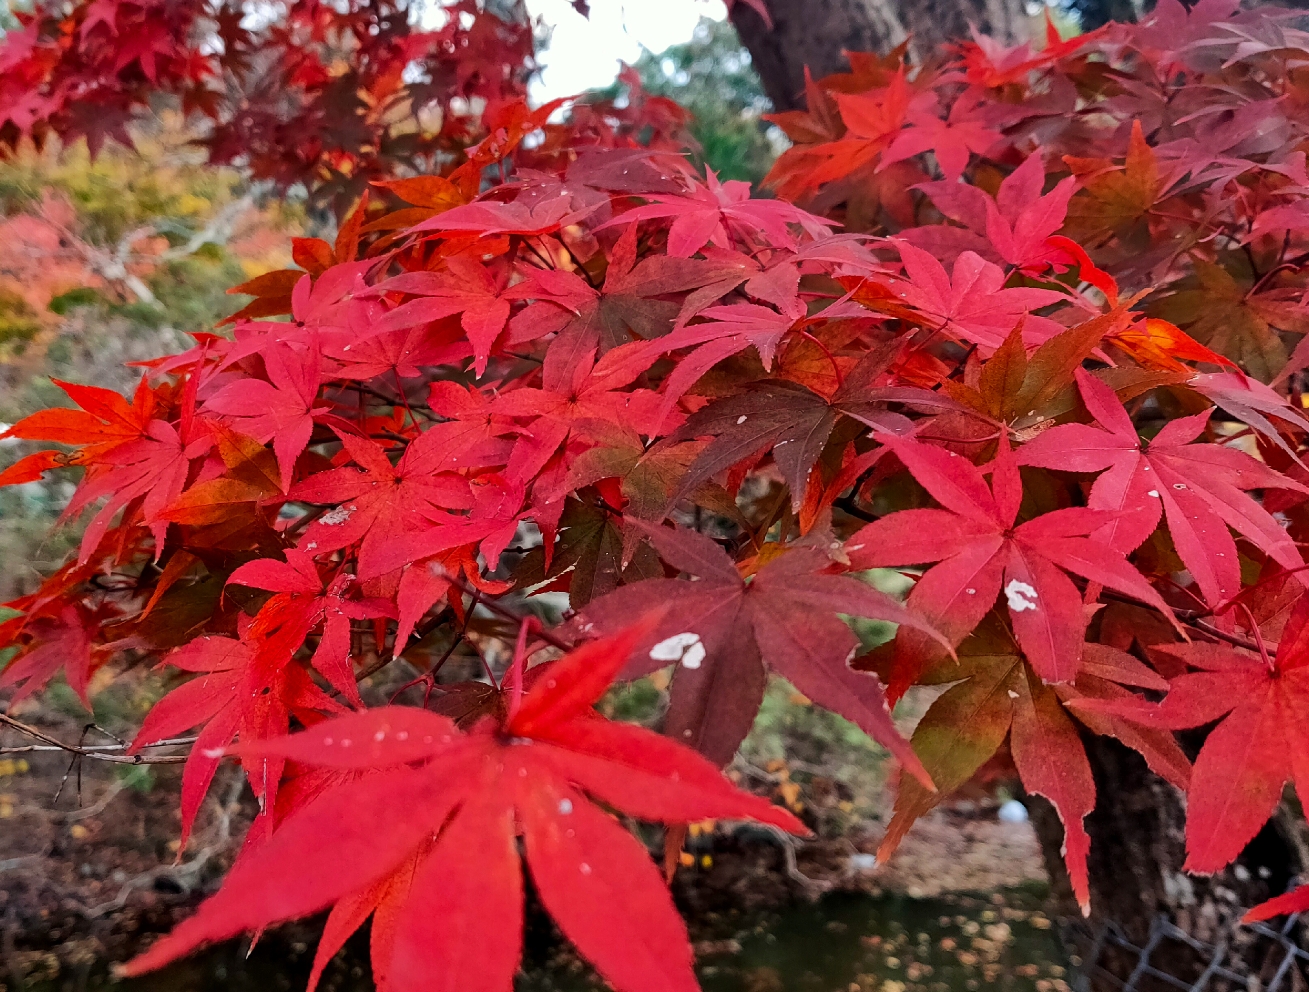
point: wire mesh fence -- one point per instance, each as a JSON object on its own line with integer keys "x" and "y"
{"x": 1253, "y": 957}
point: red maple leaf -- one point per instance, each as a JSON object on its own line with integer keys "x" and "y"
{"x": 727, "y": 330}
{"x": 994, "y": 694}
{"x": 988, "y": 62}
{"x": 64, "y": 640}
{"x": 383, "y": 505}
{"x": 722, "y": 631}
{"x": 304, "y": 601}
{"x": 467, "y": 288}
{"x": 1261, "y": 744}
{"x": 951, "y": 139}
{"x": 1196, "y": 488}
{"x": 246, "y": 688}
{"x": 283, "y": 408}
{"x": 437, "y": 556}
{"x": 632, "y": 300}
{"x": 722, "y": 213}
{"x": 366, "y": 354}
{"x": 972, "y": 303}
{"x": 534, "y": 776}
{"x": 982, "y": 553}
{"x": 1295, "y": 901}
{"x": 594, "y": 392}
{"x": 526, "y": 216}
{"x": 794, "y": 422}
{"x": 104, "y": 421}
{"x": 873, "y": 119}
{"x": 129, "y": 455}
{"x": 1021, "y": 219}
{"x": 1019, "y": 224}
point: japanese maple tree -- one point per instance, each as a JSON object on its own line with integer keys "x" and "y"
{"x": 335, "y": 96}
{"x": 1023, "y": 325}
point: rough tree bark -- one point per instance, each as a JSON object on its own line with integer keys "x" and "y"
{"x": 1137, "y": 850}
{"x": 816, "y": 33}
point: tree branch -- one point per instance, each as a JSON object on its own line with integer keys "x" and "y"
{"x": 505, "y": 613}
{"x": 100, "y": 752}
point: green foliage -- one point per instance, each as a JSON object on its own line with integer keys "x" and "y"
{"x": 711, "y": 76}
{"x": 121, "y": 190}
{"x": 80, "y": 297}
{"x": 138, "y": 778}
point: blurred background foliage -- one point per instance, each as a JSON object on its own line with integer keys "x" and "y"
{"x": 106, "y": 262}
{"x": 711, "y": 76}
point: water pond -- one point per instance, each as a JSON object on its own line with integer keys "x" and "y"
{"x": 842, "y": 943}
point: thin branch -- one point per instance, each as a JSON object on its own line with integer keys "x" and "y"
{"x": 429, "y": 676}
{"x": 847, "y": 505}
{"x": 505, "y": 613}
{"x": 88, "y": 748}
{"x": 1222, "y": 635}
{"x": 385, "y": 658}
{"x": 1195, "y": 619}
{"x": 100, "y": 752}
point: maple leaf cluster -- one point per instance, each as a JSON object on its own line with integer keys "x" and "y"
{"x": 955, "y": 346}
{"x": 335, "y": 96}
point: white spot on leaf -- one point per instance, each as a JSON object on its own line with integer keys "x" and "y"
{"x": 686, "y": 648}
{"x": 338, "y": 516}
{"x": 1021, "y": 596}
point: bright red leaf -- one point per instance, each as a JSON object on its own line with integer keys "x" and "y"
{"x": 535, "y": 777}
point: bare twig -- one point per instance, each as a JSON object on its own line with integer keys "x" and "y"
{"x": 1241, "y": 642}
{"x": 429, "y": 676}
{"x": 100, "y": 752}
{"x": 29, "y": 748}
{"x": 813, "y": 887}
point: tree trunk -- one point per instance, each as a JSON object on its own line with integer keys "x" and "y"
{"x": 1137, "y": 849}
{"x": 816, "y": 33}
{"x": 1095, "y": 13}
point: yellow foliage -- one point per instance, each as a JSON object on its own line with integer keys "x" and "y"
{"x": 156, "y": 228}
